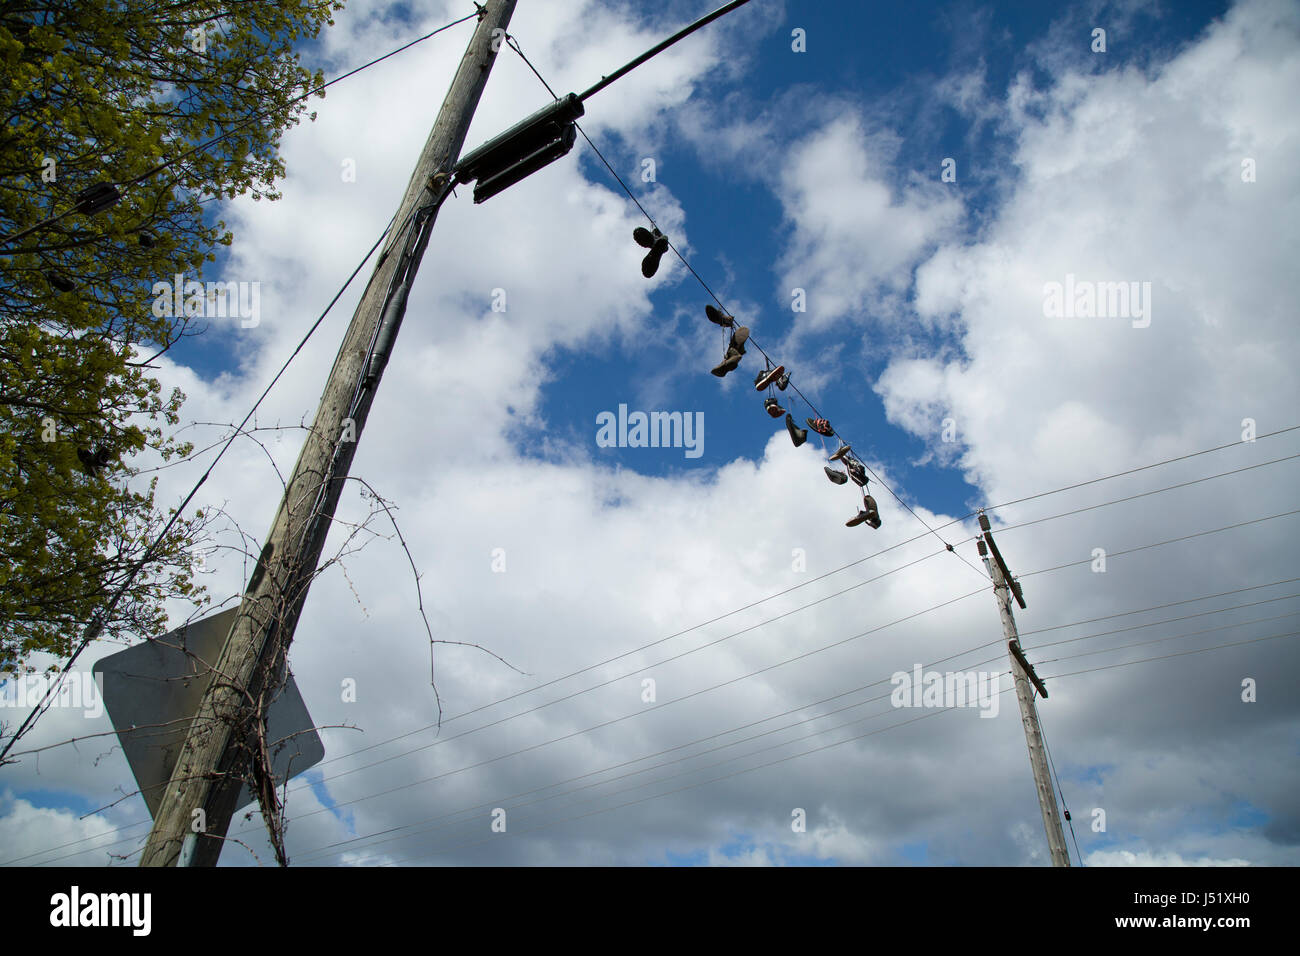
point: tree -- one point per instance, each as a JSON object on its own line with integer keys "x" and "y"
{"x": 109, "y": 91}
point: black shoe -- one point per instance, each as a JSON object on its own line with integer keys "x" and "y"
{"x": 797, "y": 435}
{"x": 783, "y": 381}
{"x": 857, "y": 473}
{"x": 650, "y": 264}
{"x": 836, "y": 476}
{"x": 656, "y": 242}
{"x": 773, "y": 409}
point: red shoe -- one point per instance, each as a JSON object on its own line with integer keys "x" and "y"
{"x": 821, "y": 426}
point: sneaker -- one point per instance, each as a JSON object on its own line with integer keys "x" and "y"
{"x": 836, "y": 476}
{"x": 857, "y": 472}
{"x": 857, "y": 519}
{"x": 843, "y": 450}
{"x": 728, "y": 364}
{"x": 767, "y": 378}
{"x": 783, "y": 381}
{"x": 821, "y": 426}
{"x": 797, "y": 435}
{"x": 871, "y": 511}
{"x": 773, "y": 409}
{"x": 719, "y": 318}
{"x": 644, "y": 237}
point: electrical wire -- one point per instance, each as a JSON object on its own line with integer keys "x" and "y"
{"x": 827, "y": 574}
{"x": 932, "y": 713}
{"x": 780, "y": 594}
{"x": 503, "y": 800}
{"x": 1185, "y": 537}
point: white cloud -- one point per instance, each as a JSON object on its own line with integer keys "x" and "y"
{"x": 857, "y": 234}
{"x": 1149, "y": 858}
{"x": 27, "y": 832}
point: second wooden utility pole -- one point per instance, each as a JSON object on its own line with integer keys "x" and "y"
{"x": 1022, "y": 673}
{"x": 224, "y": 740}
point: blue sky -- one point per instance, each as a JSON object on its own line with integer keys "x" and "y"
{"x": 778, "y": 169}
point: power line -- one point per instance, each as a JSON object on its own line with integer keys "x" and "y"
{"x": 694, "y": 742}
{"x": 694, "y": 786}
{"x": 755, "y": 604}
{"x": 1039, "y": 647}
{"x": 624, "y": 717}
{"x": 1178, "y": 637}
{"x": 649, "y": 710}
{"x": 1131, "y": 471}
{"x": 501, "y": 801}
{"x": 1144, "y": 494}
{"x": 644, "y": 647}
{"x": 1161, "y": 607}
{"x": 851, "y": 564}
{"x": 1186, "y": 537}
{"x": 815, "y": 703}
{"x": 705, "y": 690}
{"x": 615, "y": 720}
{"x": 812, "y": 750}
{"x": 1163, "y": 657}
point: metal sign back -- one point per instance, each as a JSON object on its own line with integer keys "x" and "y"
{"x": 152, "y": 692}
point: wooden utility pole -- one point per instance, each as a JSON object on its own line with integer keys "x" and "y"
{"x": 224, "y": 738}
{"x": 1023, "y": 673}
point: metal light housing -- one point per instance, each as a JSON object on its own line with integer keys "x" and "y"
{"x": 520, "y": 151}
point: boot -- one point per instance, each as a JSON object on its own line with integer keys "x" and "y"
{"x": 797, "y": 435}
{"x": 719, "y": 318}
{"x": 738, "y": 339}
{"x": 728, "y": 364}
